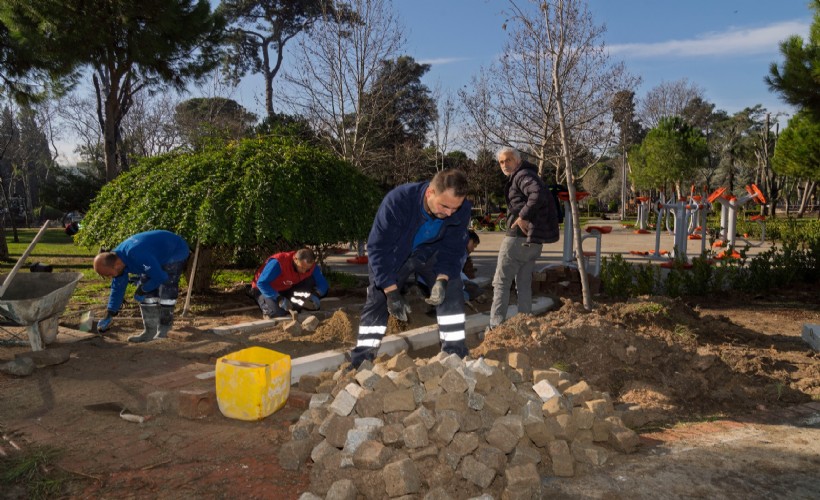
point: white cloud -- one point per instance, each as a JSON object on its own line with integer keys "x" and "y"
{"x": 732, "y": 42}
{"x": 443, "y": 60}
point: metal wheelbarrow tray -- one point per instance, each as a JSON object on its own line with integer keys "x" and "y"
{"x": 36, "y": 300}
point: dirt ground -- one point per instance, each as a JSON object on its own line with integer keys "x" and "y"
{"x": 729, "y": 397}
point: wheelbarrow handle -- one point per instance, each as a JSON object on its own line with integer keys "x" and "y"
{"x": 22, "y": 259}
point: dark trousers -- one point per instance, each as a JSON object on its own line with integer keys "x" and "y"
{"x": 270, "y": 307}
{"x": 166, "y": 294}
{"x": 449, "y": 314}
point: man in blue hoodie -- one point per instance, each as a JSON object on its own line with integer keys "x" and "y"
{"x": 419, "y": 227}
{"x": 158, "y": 258}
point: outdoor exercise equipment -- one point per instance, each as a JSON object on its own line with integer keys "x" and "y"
{"x": 730, "y": 204}
{"x": 594, "y": 232}
{"x": 641, "y": 226}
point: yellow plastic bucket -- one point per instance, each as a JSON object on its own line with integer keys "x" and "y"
{"x": 252, "y": 383}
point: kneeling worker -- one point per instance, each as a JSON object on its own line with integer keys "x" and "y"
{"x": 288, "y": 281}
{"x": 159, "y": 258}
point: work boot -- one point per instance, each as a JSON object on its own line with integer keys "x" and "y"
{"x": 166, "y": 320}
{"x": 457, "y": 347}
{"x": 150, "y": 321}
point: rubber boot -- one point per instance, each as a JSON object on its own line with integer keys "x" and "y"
{"x": 150, "y": 321}
{"x": 457, "y": 347}
{"x": 166, "y": 320}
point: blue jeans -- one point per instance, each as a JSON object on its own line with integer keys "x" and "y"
{"x": 516, "y": 261}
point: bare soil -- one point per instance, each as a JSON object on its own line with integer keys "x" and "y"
{"x": 725, "y": 386}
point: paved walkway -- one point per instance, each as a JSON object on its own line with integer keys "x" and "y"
{"x": 620, "y": 241}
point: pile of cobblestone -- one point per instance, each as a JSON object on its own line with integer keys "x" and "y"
{"x": 449, "y": 428}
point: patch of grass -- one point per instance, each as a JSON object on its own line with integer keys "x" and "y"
{"x": 561, "y": 365}
{"x": 683, "y": 331}
{"x": 228, "y": 278}
{"x": 35, "y": 471}
{"x": 650, "y": 308}
{"x": 341, "y": 279}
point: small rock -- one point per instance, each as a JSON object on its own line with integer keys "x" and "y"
{"x": 20, "y": 367}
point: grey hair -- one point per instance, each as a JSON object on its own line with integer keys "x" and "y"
{"x": 508, "y": 150}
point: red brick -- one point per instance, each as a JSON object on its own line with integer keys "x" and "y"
{"x": 299, "y": 399}
{"x": 196, "y": 403}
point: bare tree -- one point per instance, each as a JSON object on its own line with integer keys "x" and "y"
{"x": 668, "y": 99}
{"x": 443, "y": 126}
{"x": 148, "y": 129}
{"x": 335, "y": 76}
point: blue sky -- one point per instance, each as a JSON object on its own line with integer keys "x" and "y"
{"x": 723, "y": 46}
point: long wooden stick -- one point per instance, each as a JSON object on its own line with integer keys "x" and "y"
{"x": 22, "y": 259}
{"x": 191, "y": 282}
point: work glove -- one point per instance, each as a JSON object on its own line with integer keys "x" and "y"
{"x": 104, "y": 324}
{"x": 139, "y": 295}
{"x": 437, "y": 292}
{"x": 285, "y": 304}
{"x": 396, "y": 305}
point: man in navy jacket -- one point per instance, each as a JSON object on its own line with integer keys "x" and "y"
{"x": 419, "y": 227}
{"x": 158, "y": 258}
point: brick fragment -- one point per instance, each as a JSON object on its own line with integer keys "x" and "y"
{"x": 196, "y": 403}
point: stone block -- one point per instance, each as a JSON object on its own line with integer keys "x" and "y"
{"x": 514, "y": 423}
{"x": 563, "y": 464}
{"x": 320, "y": 400}
{"x": 482, "y": 384}
{"x": 385, "y": 385}
{"x": 415, "y": 436}
{"x": 343, "y": 403}
{"x": 406, "y": 378}
{"x": 525, "y": 454}
{"x": 565, "y": 427}
{"x": 546, "y": 391}
{"x": 600, "y": 430}
{"x": 811, "y": 335}
{"x": 321, "y": 450}
{"x": 582, "y": 417}
{"x": 356, "y": 390}
{"x": 445, "y": 428}
{"x": 584, "y": 436}
{"x": 399, "y": 400}
{"x": 301, "y": 429}
{"x": 455, "y": 401}
{"x": 371, "y": 455}
{"x": 539, "y": 433}
{"x": 400, "y": 362}
{"x": 588, "y": 453}
{"x": 437, "y": 493}
{"x": 335, "y": 428}
{"x": 463, "y": 443}
{"x": 310, "y": 324}
{"x": 578, "y": 393}
{"x": 196, "y": 403}
{"x": 452, "y": 381}
{"x": 496, "y": 404}
{"x": 401, "y": 478}
{"x": 426, "y": 452}
{"x": 476, "y": 472}
{"x": 430, "y": 370}
{"x": 47, "y": 357}
{"x": 293, "y": 328}
{"x": 421, "y": 415}
{"x": 160, "y": 402}
{"x": 499, "y": 436}
{"x": 308, "y": 383}
{"x": 393, "y": 434}
{"x": 367, "y": 379}
{"x": 623, "y": 439}
{"x": 554, "y": 407}
{"x": 343, "y": 489}
{"x": 490, "y": 456}
{"x": 523, "y": 479}
{"x": 355, "y": 437}
{"x": 294, "y": 453}
{"x": 601, "y": 408}
{"x": 370, "y": 405}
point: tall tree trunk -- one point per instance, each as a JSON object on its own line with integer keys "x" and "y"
{"x": 808, "y": 191}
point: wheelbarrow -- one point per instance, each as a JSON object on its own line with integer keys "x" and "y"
{"x": 36, "y": 301}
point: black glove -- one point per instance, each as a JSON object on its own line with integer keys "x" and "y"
{"x": 285, "y": 304}
{"x": 396, "y": 305}
{"x": 437, "y": 292}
